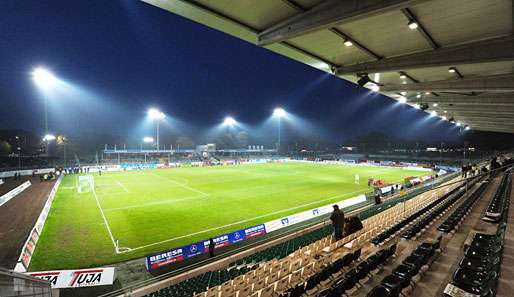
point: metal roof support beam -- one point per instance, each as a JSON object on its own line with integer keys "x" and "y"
{"x": 492, "y": 83}
{"x": 492, "y": 128}
{"x": 493, "y": 50}
{"x": 476, "y": 112}
{"x": 491, "y": 99}
{"x": 421, "y": 28}
{"x": 329, "y": 14}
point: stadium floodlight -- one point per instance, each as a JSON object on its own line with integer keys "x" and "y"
{"x": 229, "y": 121}
{"x": 157, "y": 115}
{"x": 467, "y": 128}
{"x": 433, "y": 113}
{"x": 402, "y": 99}
{"x": 49, "y": 137}
{"x": 412, "y": 25}
{"x": 458, "y": 124}
{"x": 148, "y": 139}
{"x": 43, "y": 77}
{"x": 279, "y": 112}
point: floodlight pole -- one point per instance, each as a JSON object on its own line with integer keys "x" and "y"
{"x": 158, "y": 120}
{"x": 279, "y": 136}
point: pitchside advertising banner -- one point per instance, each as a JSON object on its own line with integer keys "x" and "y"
{"x": 164, "y": 258}
{"x": 175, "y": 255}
{"x": 61, "y": 279}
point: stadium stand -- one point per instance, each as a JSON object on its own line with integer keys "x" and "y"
{"x": 317, "y": 263}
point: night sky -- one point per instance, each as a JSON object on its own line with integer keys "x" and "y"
{"x": 118, "y": 58}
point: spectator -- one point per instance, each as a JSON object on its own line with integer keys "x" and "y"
{"x": 211, "y": 247}
{"x": 337, "y": 219}
{"x": 377, "y": 198}
{"x": 354, "y": 224}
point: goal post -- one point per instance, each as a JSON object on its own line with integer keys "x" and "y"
{"x": 86, "y": 183}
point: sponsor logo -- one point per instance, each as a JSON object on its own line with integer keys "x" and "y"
{"x": 86, "y": 278}
{"x": 284, "y": 221}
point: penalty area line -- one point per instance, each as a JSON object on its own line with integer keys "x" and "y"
{"x": 242, "y": 221}
{"x": 105, "y": 222}
{"x": 123, "y": 187}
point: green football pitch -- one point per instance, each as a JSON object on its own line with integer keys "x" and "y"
{"x": 153, "y": 210}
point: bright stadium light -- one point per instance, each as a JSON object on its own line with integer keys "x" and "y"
{"x": 433, "y": 113}
{"x": 229, "y": 121}
{"x": 148, "y": 139}
{"x": 43, "y": 77}
{"x": 157, "y": 115}
{"x": 402, "y": 99}
{"x": 49, "y": 137}
{"x": 279, "y": 112}
{"x": 467, "y": 128}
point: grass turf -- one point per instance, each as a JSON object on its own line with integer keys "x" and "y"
{"x": 153, "y": 210}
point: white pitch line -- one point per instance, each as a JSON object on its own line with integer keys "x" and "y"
{"x": 155, "y": 203}
{"x": 121, "y": 185}
{"x": 105, "y": 220}
{"x": 243, "y": 221}
{"x": 181, "y": 185}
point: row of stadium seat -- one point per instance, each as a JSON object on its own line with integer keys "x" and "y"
{"x": 498, "y": 205}
{"x": 336, "y": 280}
{"x": 268, "y": 271}
{"x": 426, "y": 219}
{"x": 479, "y": 269}
{"x": 405, "y": 276}
{"x": 429, "y": 204}
{"x": 459, "y": 214}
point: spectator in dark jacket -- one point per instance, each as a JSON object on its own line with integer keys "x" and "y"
{"x": 337, "y": 219}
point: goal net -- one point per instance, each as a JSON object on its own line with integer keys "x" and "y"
{"x": 86, "y": 183}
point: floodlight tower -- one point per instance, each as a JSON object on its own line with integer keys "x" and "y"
{"x": 229, "y": 122}
{"x": 279, "y": 113}
{"x": 156, "y": 115}
{"x": 44, "y": 79}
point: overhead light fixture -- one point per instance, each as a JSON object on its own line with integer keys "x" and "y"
{"x": 413, "y": 25}
{"x": 445, "y": 111}
{"x": 433, "y": 113}
{"x": 348, "y": 42}
{"x": 435, "y": 105}
{"x": 467, "y": 128}
{"x": 148, "y": 139}
{"x": 418, "y": 96}
{"x": 458, "y": 124}
{"x": 402, "y": 99}
{"x": 452, "y": 69}
{"x": 402, "y": 75}
{"x": 427, "y": 93}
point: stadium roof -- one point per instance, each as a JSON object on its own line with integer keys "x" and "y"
{"x": 474, "y": 38}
